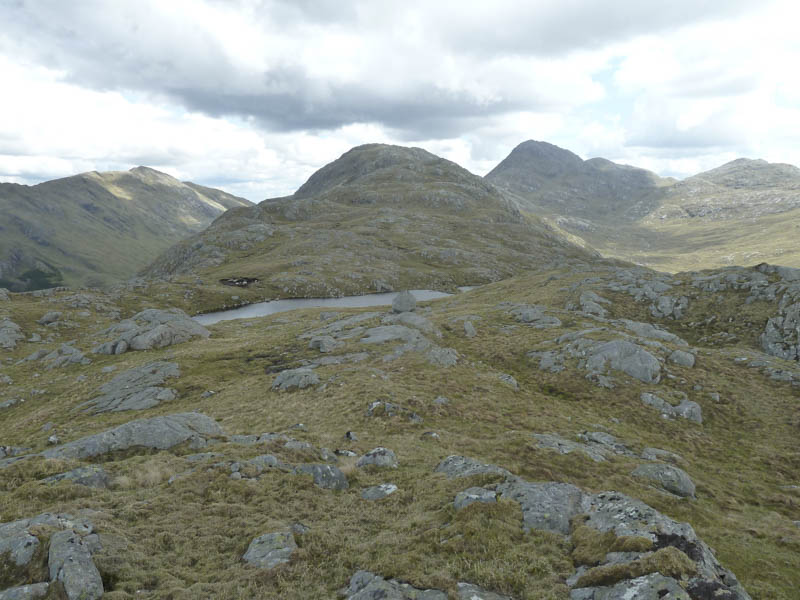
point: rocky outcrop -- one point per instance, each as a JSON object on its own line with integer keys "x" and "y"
{"x": 91, "y": 476}
{"x": 160, "y": 433}
{"x": 151, "y": 329}
{"x": 70, "y": 563}
{"x": 687, "y": 409}
{"x": 295, "y": 379}
{"x": 10, "y": 334}
{"x": 627, "y": 357}
{"x": 270, "y": 550}
{"x": 136, "y": 389}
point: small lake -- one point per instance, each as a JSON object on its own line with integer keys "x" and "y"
{"x": 262, "y": 309}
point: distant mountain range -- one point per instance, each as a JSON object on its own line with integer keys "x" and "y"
{"x": 743, "y": 212}
{"x": 98, "y": 228}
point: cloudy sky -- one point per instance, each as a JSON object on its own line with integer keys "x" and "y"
{"x": 254, "y": 95}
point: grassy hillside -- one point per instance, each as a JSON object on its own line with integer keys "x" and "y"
{"x": 97, "y": 228}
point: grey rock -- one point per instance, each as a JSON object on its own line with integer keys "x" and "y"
{"x": 4, "y": 297}
{"x": 648, "y": 587}
{"x": 404, "y": 302}
{"x": 508, "y": 380}
{"x": 25, "y": 592}
{"x": 687, "y": 409}
{"x": 368, "y": 586}
{"x": 18, "y": 544}
{"x": 10, "y": 402}
{"x": 669, "y": 306}
{"x": 591, "y": 304}
{"x": 627, "y": 357}
{"x": 412, "y": 319}
{"x": 662, "y": 455}
{"x": 682, "y": 358}
{"x": 460, "y": 466}
{"x": 781, "y": 335}
{"x": 159, "y": 433}
{"x": 378, "y": 457}
{"x": 546, "y": 506}
{"x": 442, "y": 357}
{"x": 324, "y": 343}
{"x": 441, "y": 401}
{"x": 10, "y": 334}
{"x": 91, "y": 476}
{"x": 295, "y": 379}
{"x": 149, "y": 329}
{"x": 563, "y": 446}
{"x": 669, "y": 477}
{"x": 534, "y": 315}
{"x": 474, "y": 494}
{"x": 270, "y": 550}
{"x": 469, "y": 329}
{"x": 391, "y": 333}
{"x": 70, "y": 562}
{"x": 50, "y": 317}
{"x": 325, "y": 476}
{"x": 648, "y": 330}
{"x": 297, "y": 445}
{"x": 268, "y": 461}
{"x": 135, "y": 389}
{"x": 378, "y": 492}
{"x": 390, "y": 409}
{"x": 65, "y": 355}
{"x": 468, "y": 591}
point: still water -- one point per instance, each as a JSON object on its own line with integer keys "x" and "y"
{"x": 262, "y": 309}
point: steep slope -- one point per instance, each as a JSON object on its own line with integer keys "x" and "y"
{"x": 378, "y": 218}
{"x": 98, "y": 228}
{"x": 596, "y": 432}
{"x": 745, "y": 211}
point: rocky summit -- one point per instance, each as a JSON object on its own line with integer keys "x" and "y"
{"x": 563, "y": 427}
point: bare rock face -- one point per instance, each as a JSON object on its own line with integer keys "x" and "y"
{"x": 70, "y": 562}
{"x": 151, "y": 328}
{"x": 627, "y": 357}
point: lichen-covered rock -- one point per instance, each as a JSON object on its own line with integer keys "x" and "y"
{"x": 682, "y": 358}
{"x": 70, "y": 562}
{"x": 368, "y": 586}
{"x": 472, "y": 495}
{"x": 136, "y": 389}
{"x": 65, "y": 355}
{"x": 270, "y": 550}
{"x": 378, "y": 457}
{"x": 378, "y": 492}
{"x": 91, "y": 476}
{"x": 159, "y": 433}
{"x": 324, "y": 343}
{"x": 781, "y": 335}
{"x": 648, "y": 587}
{"x": 10, "y": 334}
{"x": 328, "y": 477}
{"x": 546, "y": 506}
{"x": 687, "y": 409}
{"x": 625, "y": 356}
{"x": 49, "y": 317}
{"x": 149, "y": 329}
{"x": 460, "y": 466}
{"x": 295, "y": 379}
{"x": 26, "y": 592}
{"x": 468, "y": 591}
{"x": 669, "y": 477}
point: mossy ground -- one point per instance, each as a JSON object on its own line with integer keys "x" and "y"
{"x": 185, "y": 540}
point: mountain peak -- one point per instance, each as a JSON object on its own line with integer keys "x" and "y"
{"x": 753, "y": 173}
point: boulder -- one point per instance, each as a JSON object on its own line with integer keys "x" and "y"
{"x": 378, "y": 492}
{"x": 682, "y": 358}
{"x": 472, "y": 495}
{"x": 404, "y": 302}
{"x": 91, "y": 476}
{"x": 10, "y": 334}
{"x": 648, "y": 330}
{"x": 555, "y": 442}
{"x": 627, "y": 357}
{"x": 295, "y": 379}
{"x": 368, "y": 586}
{"x": 378, "y": 457}
{"x": 160, "y": 433}
{"x": 136, "y": 389}
{"x": 687, "y": 409}
{"x": 70, "y": 562}
{"x": 391, "y": 333}
{"x": 149, "y": 329}
{"x": 50, "y": 317}
{"x": 270, "y": 550}
{"x": 65, "y": 355}
{"x": 469, "y": 329}
{"x": 669, "y": 477}
{"x": 26, "y": 592}
{"x": 324, "y": 343}
{"x": 546, "y": 506}
{"x": 460, "y": 466}
{"x": 325, "y": 476}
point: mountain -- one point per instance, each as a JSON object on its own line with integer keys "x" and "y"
{"x": 742, "y": 212}
{"x": 98, "y": 228}
{"x": 378, "y": 218}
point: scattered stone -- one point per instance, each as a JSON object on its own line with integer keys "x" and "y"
{"x": 390, "y": 409}
{"x": 468, "y": 591}
{"x": 535, "y": 316}
{"x": 327, "y": 477}
{"x": 4, "y": 297}
{"x": 412, "y": 319}
{"x": 669, "y": 477}
{"x": 555, "y": 442}
{"x": 295, "y": 379}
{"x": 662, "y": 455}
{"x": 159, "y": 433}
{"x": 50, "y": 317}
{"x": 298, "y": 445}
{"x": 10, "y": 402}
{"x": 65, "y": 355}
{"x": 91, "y": 476}
{"x": 469, "y": 329}
{"x": 270, "y": 550}
{"x": 441, "y": 401}
{"x": 442, "y": 357}
{"x": 682, "y": 358}
{"x": 430, "y": 435}
{"x": 10, "y": 334}
{"x": 136, "y": 389}
{"x": 508, "y": 380}
{"x": 474, "y": 494}
{"x": 377, "y": 492}
{"x": 378, "y": 457}
{"x": 70, "y": 562}
{"x": 368, "y": 586}
{"x": 324, "y": 343}
{"x": 648, "y": 330}
{"x": 149, "y": 329}
{"x": 53, "y": 440}
{"x": 591, "y": 304}
{"x": 351, "y": 436}
{"x": 404, "y": 302}
{"x": 12, "y": 451}
{"x": 546, "y": 506}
